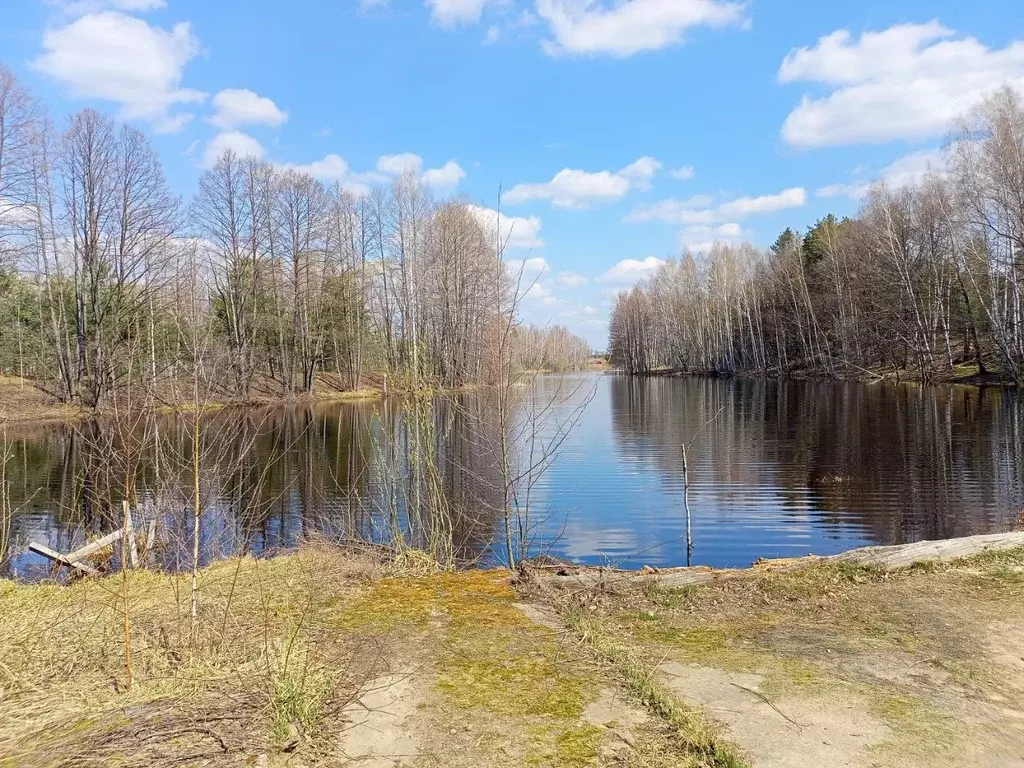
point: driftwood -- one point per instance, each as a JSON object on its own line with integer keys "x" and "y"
{"x": 885, "y": 558}
{"x": 906, "y": 555}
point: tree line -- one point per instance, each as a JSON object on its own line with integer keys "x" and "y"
{"x": 926, "y": 278}
{"x": 267, "y": 282}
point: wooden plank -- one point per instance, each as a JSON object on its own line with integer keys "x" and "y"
{"x": 57, "y": 557}
{"x": 93, "y": 547}
{"x": 129, "y": 532}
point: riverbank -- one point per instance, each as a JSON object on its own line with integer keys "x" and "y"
{"x": 328, "y": 656}
{"x": 22, "y": 400}
{"x": 969, "y": 375}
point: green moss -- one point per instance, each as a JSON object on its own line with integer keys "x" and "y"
{"x": 698, "y": 642}
{"x": 577, "y": 747}
{"x": 472, "y": 598}
{"x": 514, "y": 685}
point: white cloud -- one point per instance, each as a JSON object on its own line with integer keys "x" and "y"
{"x": 700, "y": 238}
{"x": 903, "y": 172}
{"x": 237, "y": 107}
{"x": 629, "y": 26}
{"x": 571, "y": 279}
{"x": 912, "y": 168}
{"x": 577, "y": 189}
{"x": 119, "y": 58}
{"x": 369, "y": 5}
{"x": 446, "y": 177}
{"x": 906, "y": 82}
{"x": 683, "y": 173}
{"x": 697, "y": 209}
{"x": 242, "y": 144}
{"x": 334, "y": 168}
{"x": 539, "y": 292}
{"x": 854, "y": 190}
{"x": 629, "y": 271}
{"x": 641, "y": 171}
{"x": 493, "y": 33}
{"x": 515, "y": 231}
{"x": 83, "y": 7}
{"x": 453, "y": 13}
{"x": 530, "y": 269}
{"x": 396, "y": 165}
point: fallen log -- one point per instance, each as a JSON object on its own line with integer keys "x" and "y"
{"x": 943, "y": 551}
{"x": 883, "y": 557}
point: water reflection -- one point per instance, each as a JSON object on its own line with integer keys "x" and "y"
{"x": 784, "y": 468}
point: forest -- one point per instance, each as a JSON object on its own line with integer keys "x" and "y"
{"x": 267, "y": 282}
{"x": 925, "y": 281}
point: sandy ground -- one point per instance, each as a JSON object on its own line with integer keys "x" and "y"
{"x": 319, "y": 660}
{"x": 839, "y": 665}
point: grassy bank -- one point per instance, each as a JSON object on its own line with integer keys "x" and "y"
{"x": 22, "y": 400}
{"x": 325, "y": 656}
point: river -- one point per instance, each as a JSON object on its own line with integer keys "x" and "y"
{"x": 776, "y": 469}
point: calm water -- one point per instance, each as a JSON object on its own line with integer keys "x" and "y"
{"x": 785, "y": 469}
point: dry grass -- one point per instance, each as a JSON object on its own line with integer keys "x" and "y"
{"x": 24, "y": 401}
{"x": 259, "y": 671}
{"x": 283, "y": 651}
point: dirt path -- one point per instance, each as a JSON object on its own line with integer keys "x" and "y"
{"x": 839, "y": 664}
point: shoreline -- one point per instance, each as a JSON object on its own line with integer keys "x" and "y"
{"x": 328, "y": 655}
{"x": 967, "y": 378}
{"x": 23, "y": 402}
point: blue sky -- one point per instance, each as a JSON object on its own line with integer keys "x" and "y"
{"x": 620, "y": 133}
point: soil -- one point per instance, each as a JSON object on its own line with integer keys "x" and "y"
{"x": 317, "y": 659}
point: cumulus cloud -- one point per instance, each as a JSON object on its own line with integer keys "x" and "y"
{"x": 539, "y": 292}
{"x": 234, "y": 108}
{"x": 641, "y": 171}
{"x": 454, "y": 13}
{"x": 444, "y": 178}
{"x": 698, "y": 209}
{"x": 514, "y": 231}
{"x": 903, "y": 172}
{"x": 628, "y": 27}
{"x": 242, "y": 144}
{"x": 906, "y": 82}
{"x": 571, "y": 188}
{"x": 530, "y": 269}
{"x": 119, "y": 58}
{"x": 395, "y": 165}
{"x": 629, "y": 271}
{"x": 700, "y": 238}
{"x": 83, "y": 7}
{"x": 333, "y": 168}
{"x": 571, "y": 279}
